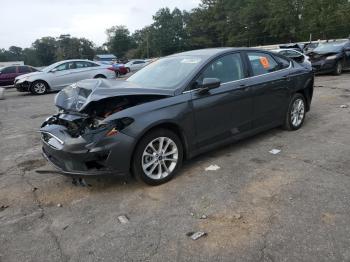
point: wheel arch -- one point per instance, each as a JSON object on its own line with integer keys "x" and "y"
{"x": 40, "y": 80}
{"x": 307, "y": 93}
{"x": 99, "y": 75}
{"x": 174, "y": 127}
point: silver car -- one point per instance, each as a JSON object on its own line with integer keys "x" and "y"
{"x": 62, "y": 74}
{"x": 135, "y": 65}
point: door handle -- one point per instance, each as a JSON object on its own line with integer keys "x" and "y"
{"x": 287, "y": 78}
{"x": 244, "y": 87}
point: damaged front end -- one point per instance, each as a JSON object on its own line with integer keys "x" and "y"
{"x": 86, "y": 136}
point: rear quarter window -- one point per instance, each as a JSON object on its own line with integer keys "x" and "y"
{"x": 262, "y": 63}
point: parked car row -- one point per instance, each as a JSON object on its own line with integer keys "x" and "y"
{"x": 325, "y": 57}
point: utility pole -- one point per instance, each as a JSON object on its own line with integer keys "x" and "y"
{"x": 147, "y": 39}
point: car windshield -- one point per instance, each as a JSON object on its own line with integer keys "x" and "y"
{"x": 166, "y": 73}
{"x": 50, "y": 67}
{"x": 329, "y": 47}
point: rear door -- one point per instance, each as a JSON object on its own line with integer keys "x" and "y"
{"x": 270, "y": 82}
{"x": 225, "y": 111}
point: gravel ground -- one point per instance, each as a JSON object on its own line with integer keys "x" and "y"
{"x": 293, "y": 206}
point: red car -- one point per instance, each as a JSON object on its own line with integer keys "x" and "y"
{"x": 120, "y": 69}
{"x": 9, "y": 73}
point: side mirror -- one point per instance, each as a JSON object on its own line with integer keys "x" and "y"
{"x": 53, "y": 70}
{"x": 208, "y": 84}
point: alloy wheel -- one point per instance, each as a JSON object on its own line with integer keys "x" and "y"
{"x": 339, "y": 68}
{"x": 160, "y": 158}
{"x": 39, "y": 88}
{"x": 298, "y": 112}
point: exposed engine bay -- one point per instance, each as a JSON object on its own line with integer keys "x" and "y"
{"x": 91, "y": 118}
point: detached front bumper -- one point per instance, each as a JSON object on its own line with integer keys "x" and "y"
{"x": 78, "y": 157}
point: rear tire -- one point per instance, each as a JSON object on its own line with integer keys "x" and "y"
{"x": 39, "y": 88}
{"x": 338, "y": 68}
{"x": 296, "y": 113}
{"x": 158, "y": 156}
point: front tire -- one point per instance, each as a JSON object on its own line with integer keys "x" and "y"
{"x": 296, "y": 113}
{"x": 39, "y": 88}
{"x": 158, "y": 156}
{"x": 338, "y": 68}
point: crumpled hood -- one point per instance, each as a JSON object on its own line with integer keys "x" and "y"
{"x": 77, "y": 96}
{"x": 29, "y": 75}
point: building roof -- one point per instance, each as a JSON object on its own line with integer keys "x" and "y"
{"x": 106, "y": 56}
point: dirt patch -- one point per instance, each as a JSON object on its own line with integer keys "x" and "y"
{"x": 258, "y": 160}
{"x": 257, "y": 207}
{"x": 58, "y": 193}
{"x": 39, "y": 116}
{"x": 328, "y": 218}
{"x": 32, "y": 164}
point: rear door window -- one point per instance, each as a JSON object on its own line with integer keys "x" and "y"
{"x": 262, "y": 63}
{"x": 23, "y": 69}
{"x": 9, "y": 70}
{"x": 81, "y": 64}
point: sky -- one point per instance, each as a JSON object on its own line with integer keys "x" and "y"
{"x": 24, "y": 21}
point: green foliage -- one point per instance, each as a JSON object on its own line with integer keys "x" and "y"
{"x": 213, "y": 23}
{"x": 119, "y": 40}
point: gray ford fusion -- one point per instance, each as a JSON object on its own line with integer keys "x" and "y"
{"x": 174, "y": 109}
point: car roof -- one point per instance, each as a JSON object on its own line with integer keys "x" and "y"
{"x": 209, "y": 52}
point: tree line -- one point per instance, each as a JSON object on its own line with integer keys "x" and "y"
{"x": 213, "y": 23}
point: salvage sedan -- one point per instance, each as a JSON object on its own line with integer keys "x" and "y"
{"x": 174, "y": 109}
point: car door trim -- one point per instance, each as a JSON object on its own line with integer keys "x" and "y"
{"x": 246, "y": 78}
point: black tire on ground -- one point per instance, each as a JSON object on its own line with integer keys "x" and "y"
{"x": 139, "y": 157}
{"x": 39, "y": 88}
{"x": 338, "y": 68}
{"x": 100, "y": 76}
{"x": 293, "y": 112}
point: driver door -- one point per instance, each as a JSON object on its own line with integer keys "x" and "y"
{"x": 63, "y": 75}
{"x": 223, "y": 112}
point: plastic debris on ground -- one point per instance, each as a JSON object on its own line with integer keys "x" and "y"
{"x": 3, "y": 207}
{"x": 196, "y": 235}
{"x": 123, "y": 219}
{"x": 344, "y": 106}
{"x": 275, "y": 151}
{"x": 212, "y": 168}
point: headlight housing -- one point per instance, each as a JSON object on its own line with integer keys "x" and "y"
{"x": 332, "y": 57}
